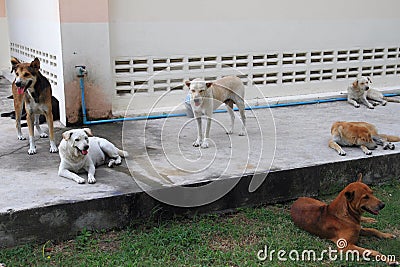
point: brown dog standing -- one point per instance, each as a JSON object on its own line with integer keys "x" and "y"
{"x": 341, "y": 219}
{"x": 32, "y": 89}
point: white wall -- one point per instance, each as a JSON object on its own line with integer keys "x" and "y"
{"x": 145, "y": 33}
{"x": 143, "y": 27}
{"x": 4, "y": 42}
{"x": 4, "y": 47}
{"x": 139, "y": 51}
{"x": 87, "y": 44}
{"x": 85, "y": 41}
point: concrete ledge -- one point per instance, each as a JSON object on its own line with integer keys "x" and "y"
{"x": 36, "y": 205}
{"x": 63, "y": 221}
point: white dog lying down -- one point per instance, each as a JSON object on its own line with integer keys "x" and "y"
{"x": 360, "y": 91}
{"x": 80, "y": 151}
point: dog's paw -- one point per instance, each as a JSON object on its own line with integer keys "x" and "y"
{"x": 342, "y": 153}
{"x": 91, "y": 179}
{"x": 32, "y": 151}
{"x": 44, "y": 135}
{"x": 79, "y": 180}
{"x": 21, "y": 137}
{"x": 112, "y": 163}
{"x": 204, "y": 144}
{"x": 118, "y": 161}
{"x": 197, "y": 143}
{"x": 368, "y": 220}
{"x": 356, "y": 105}
{"x": 389, "y": 236}
{"x": 393, "y": 263}
{"x": 367, "y": 152}
{"x": 53, "y": 149}
{"x": 388, "y": 146}
{"x": 229, "y": 131}
{"x": 371, "y": 107}
{"x": 242, "y": 133}
{"x": 384, "y": 103}
{"x": 375, "y": 103}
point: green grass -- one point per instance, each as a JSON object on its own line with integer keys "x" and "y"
{"x": 206, "y": 240}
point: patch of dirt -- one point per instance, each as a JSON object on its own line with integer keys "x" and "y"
{"x": 225, "y": 243}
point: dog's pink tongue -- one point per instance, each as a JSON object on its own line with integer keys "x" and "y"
{"x": 197, "y": 104}
{"x": 20, "y": 90}
{"x": 84, "y": 152}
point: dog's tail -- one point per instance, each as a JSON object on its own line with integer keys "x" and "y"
{"x": 392, "y": 99}
{"x": 390, "y": 138}
{"x": 123, "y": 153}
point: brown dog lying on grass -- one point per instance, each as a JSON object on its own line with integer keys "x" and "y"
{"x": 341, "y": 219}
{"x": 362, "y": 134}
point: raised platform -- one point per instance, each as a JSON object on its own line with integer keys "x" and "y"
{"x": 165, "y": 175}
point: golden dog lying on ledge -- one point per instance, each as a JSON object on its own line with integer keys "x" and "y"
{"x": 362, "y": 134}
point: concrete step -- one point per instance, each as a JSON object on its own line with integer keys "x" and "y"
{"x": 165, "y": 175}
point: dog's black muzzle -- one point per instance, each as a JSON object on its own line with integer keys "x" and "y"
{"x": 18, "y": 84}
{"x": 21, "y": 85}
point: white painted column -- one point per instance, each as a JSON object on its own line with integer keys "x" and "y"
{"x": 4, "y": 41}
{"x": 85, "y": 41}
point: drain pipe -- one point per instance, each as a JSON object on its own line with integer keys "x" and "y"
{"x": 81, "y": 72}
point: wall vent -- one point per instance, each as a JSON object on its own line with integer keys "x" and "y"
{"x": 48, "y": 61}
{"x": 157, "y": 74}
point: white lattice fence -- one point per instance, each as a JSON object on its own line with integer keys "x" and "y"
{"x": 148, "y": 75}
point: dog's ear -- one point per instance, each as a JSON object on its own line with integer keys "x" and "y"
{"x": 67, "y": 135}
{"x": 14, "y": 64}
{"x": 35, "y": 64}
{"x": 88, "y": 131}
{"x": 355, "y": 83}
{"x": 359, "y": 176}
{"x": 349, "y": 195}
{"x": 208, "y": 84}
{"x": 187, "y": 83}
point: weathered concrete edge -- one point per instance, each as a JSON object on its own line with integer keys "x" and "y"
{"x": 64, "y": 221}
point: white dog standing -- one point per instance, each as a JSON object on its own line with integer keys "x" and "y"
{"x": 80, "y": 151}
{"x": 208, "y": 96}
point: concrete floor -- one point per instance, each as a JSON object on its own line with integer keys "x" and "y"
{"x": 162, "y": 155}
